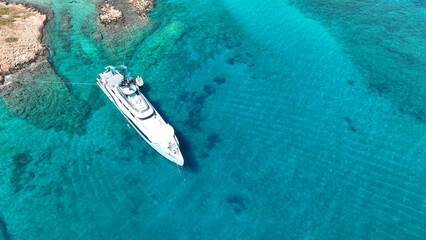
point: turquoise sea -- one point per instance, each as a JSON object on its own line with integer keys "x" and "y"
{"x": 297, "y": 120}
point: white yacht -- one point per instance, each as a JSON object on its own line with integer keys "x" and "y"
{"x": 124, "y": 92}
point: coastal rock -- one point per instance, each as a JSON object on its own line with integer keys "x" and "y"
{"x": 20, "y": 36}
{"x": 128, "y": 10}
{"x": 109, "y": 14}
{"x": 143, "y": 6}
{"x": 122, "y": 35}
{"x": 26, "y": 75}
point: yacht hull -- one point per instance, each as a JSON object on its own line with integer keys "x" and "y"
{"x": 137, "y": 124}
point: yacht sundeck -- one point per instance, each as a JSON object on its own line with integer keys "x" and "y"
{"x": 124, "y": 92}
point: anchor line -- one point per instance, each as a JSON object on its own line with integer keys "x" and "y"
{"x": 184, "y": 180}
{"x": 127, "y": 42}
{"x": 58, "y": 82}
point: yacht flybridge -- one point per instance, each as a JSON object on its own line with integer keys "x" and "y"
{"x": 124, "y": 92}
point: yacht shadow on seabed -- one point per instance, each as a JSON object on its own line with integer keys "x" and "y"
{"x": 188, "y": 153}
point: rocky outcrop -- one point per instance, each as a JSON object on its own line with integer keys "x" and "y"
{"x": 121, "y": 13}
{"x": 109, "y": 14}
{"x": 143, "y": 6}
{"x": 35, "y": 95}
{"x": 26, "y": 72}
{"x": 20, "y": 36}
{"x": 122, "y": 25}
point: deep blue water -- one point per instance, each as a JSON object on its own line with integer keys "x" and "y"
{"x": 297, "y": 120}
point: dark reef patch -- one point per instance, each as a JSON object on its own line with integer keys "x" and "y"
{"x": 83, "y": 55}
{"x": 219, "y": 80}
{"x": 194, "y": 118}
{"x": 238, "y": 202}
{"x": 212, "y": 139}
{"x": 97, "y": 36}
{"x": 188, "y": 153}
{"x": 45, "y": 156}
{"x": 66, "y": 30}
{"x": 419, "y": 3}
{"x": 230, "y": 61}
{"x": 195, "y": 101}
{"x": 100, "y": 150}
{"x": 381, "y": 88}
{"x": 4, "y": 234}
{"x": 350, "y": 124}
{"x": 97, "y": 99}
{"x": 209, "y": 90}
{"x": 89, "y": 30}
{"x": 20, "y": 176}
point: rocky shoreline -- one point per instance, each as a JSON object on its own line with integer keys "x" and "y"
{"x": 119, "y": 13}
{"x": 22, "y": 87}
{"x": 22, "y": 27}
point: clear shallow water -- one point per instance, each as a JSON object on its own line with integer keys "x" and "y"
{"x": 282, "y": 135}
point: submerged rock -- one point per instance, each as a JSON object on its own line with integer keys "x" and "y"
{"x": 28, "y": 91}
{"x": 143, "y": 6}
{"x": 122, "y": 13}
{"x": 97, "y": 36}
{"x": 20, "y": 176}
{"x": 161, "y": 42}
{"x": 4, "y": 234}
{"x": 36, "y": 95}
{"x": 66, "y": 30}
{"x": 109, "y": 14}
{"x": 125, "y": 25}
